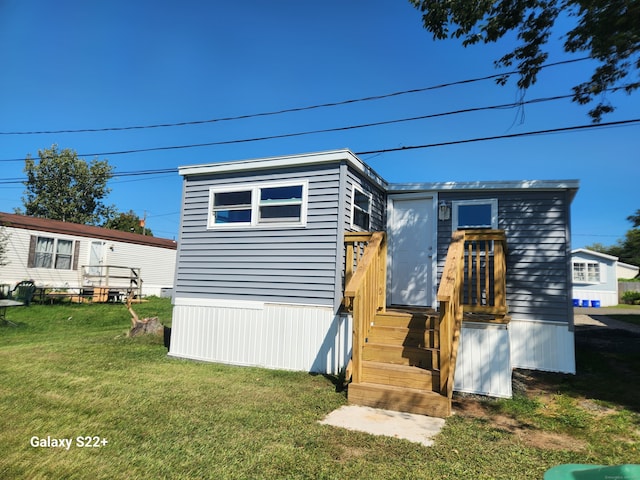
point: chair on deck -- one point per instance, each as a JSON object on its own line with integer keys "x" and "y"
{"x": 23, "y": 292}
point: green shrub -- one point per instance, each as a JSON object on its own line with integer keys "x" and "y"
{"x": 631, "y": 298}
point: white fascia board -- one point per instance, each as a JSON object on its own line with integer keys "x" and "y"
{"x": 485, "y": 185}
{"x": 594, "y": 254}
{"x": 274, "y": 162}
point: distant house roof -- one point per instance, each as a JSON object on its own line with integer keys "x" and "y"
{"x": 89, "y": 231}
{"x": 595, "y": 254}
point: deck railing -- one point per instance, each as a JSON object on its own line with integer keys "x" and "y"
{"x": 485, "y": 272}
{"x": 450, "y": 321}
{"x": 365, "y": 287}
{"x": 473, "y": 280}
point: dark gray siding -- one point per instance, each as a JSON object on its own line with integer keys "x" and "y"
{"x": 536, "y": 226}
{"x": 285, "y": 264}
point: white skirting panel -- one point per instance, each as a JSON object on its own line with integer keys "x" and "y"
{"x": 288, "y": 337}
{"x": 483, "y": 365}
{"x": 607, "y": 298}
{"x": 539, "y": 345}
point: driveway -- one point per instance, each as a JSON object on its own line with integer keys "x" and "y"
{"x": 597, "y": 318}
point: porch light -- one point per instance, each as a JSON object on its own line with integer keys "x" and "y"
{"x": 444, "y": 211}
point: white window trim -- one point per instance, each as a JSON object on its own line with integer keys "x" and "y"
{"x": 488, "y": 201}
{"x": 586, "y": 281}
{"x": 255, "y": 205}
{"x": 354, "y": 188}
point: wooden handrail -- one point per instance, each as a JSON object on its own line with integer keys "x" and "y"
{"x": 473, "y": 280}
{"x": 365, "y": 289}
{"x": 450, "y": 319}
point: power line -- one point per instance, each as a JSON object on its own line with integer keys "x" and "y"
{"x": 512, "y": 135}
{"x": 313, "y": 132}
{"x": 288, "y": 110}
{"x": 575, "y": 128}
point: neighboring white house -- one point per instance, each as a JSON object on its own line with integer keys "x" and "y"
{"x": 626, "y": 271}
{"x": 63, "y": 255}
{"x": 595, "y": 277}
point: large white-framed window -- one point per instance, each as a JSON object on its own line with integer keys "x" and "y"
{"x": 586, "y": 272}
{"x": 53, "y": 253}
{"x": 360, "y": 209}
{"x": 259, "y": 205}
{"x": 474, "y": 214}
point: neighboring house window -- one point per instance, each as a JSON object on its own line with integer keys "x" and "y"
{"x": 54, "y": 253}
{"x": 474, "y": 214}
{"x": 586, "y": 272}
{"x": 258, "y": 205}
{"x": 360, "y": 209}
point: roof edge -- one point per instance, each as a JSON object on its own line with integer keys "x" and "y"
{"x": 13, "y": 220}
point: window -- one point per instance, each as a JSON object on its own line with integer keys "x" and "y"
{"x": 360, "y": 209}
{"x": 258, "y": 205}
{"x": 586, "y": 272}
{"x": 231, "y": 207}
{"x": 475, "y": 214}
{"x": 51, "y": 253}
{"x": 280, "y": 204}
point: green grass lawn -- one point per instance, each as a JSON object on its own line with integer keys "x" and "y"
{"x": 69, "y": 371}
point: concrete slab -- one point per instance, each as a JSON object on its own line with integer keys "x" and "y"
{"x": 415, "y": 428}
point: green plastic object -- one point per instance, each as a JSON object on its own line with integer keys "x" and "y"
{"x": 573, "y": 471}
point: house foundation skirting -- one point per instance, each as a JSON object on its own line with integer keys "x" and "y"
{"x": 483, "y": 364}
{"x": 289, "y": 337}
{"x": 540, "y": 345}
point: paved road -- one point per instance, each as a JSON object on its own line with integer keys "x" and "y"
{"x": 597, "y": 317}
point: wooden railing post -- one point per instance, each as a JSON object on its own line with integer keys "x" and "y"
{"x": 365, "y": 288}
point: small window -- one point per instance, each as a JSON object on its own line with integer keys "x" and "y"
{"x": 360, "y": 209}
{"x": 258, "y": 205}
{"x": 280, "y": 204}
{"x": 52, "y": 253}
{"x": 475, "y": 214}
{"x": 232, "y": 207}
{"x": 586, "y": 272}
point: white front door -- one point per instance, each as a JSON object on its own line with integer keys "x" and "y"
{"x": 96, "y": 258}
{"x": 411, "y": 236}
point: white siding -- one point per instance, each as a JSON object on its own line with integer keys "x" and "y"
{"x": 289, "y": 337}
{"x": 157, "y": 264}
{"x": 547, "y": 346}
{"x": 606, "y": 298}
{"x": 484, "y": 362}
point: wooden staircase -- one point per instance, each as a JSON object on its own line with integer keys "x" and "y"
{"x": 405, "y": 359}
{"x": 399, "y": 365}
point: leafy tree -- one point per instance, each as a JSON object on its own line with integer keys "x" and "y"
{"x": 61, "y": 186}
{"x": 609, "y": 30}
{"x": 628, "y": 248}
{"x": 127, "y": 222}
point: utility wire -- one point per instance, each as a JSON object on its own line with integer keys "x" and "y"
{"x": 512, "y": 135}
{"x": 288, "y": 110}
{"x": 313, "y": 132}
{"x": 590, "y": 126}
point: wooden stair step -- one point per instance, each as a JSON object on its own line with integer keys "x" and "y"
{"x": 400, "y": 355}
{"x": 403, "y": 336}
{"x": 400, "y": 399}
{"x": 406, "y": 320}
{"x": 400, "y": 375}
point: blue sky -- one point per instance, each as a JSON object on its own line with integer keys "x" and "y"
{"x": 90, "y": 65}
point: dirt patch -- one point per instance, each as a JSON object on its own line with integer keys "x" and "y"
{"x": 528, "y": 435}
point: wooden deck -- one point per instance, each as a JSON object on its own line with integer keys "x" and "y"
{"x": 404, "y": 358}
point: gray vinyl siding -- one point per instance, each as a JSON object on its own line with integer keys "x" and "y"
{"x": 536, "y": 227}
{"x": 271, "y": 264}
